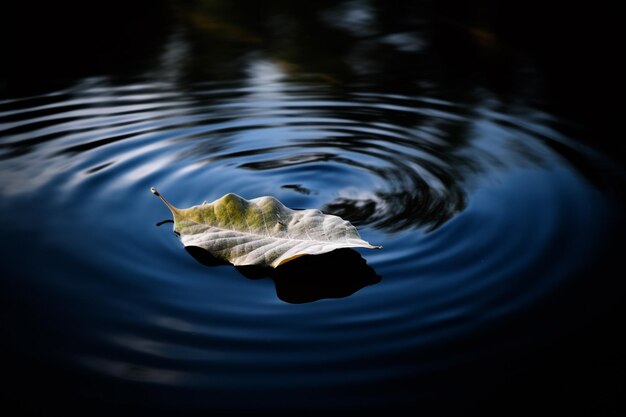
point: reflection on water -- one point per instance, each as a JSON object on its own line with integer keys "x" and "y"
{"x": 336, "y": 274}
{"x": 429, "y": 131}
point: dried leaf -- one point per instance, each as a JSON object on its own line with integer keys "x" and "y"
{"x": 261, "y": 231}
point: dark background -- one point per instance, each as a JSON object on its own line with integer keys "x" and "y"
{"x": 577, "y": 46}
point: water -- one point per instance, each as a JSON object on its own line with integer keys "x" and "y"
{"x": 497, "y": 224}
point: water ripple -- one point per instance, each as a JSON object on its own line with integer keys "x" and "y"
{"x": 478, "y": 212}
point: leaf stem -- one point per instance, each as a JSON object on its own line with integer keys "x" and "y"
{"x": 167, "y": 203}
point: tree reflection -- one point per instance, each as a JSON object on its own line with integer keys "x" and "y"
{"x": 401, "y": 91}
{"x": 382, "y": 58}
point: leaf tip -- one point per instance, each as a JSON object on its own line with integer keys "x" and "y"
{"x": 156, "y": 192}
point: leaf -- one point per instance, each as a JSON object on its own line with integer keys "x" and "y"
{"x": 261, "y": 231}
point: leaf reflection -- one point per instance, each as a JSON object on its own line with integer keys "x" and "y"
{"x": 337, "y": 274}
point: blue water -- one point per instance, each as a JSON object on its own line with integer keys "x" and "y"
{"x": 491, "y": 233}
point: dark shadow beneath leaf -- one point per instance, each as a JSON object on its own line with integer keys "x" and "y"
{"x": 336, "y": 274}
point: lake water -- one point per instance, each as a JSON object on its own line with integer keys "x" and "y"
{"x": 497, "y": 216}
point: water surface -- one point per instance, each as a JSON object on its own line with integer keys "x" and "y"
{"x": 497, "y": 223}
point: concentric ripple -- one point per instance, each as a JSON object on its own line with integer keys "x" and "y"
{"x": 480, "y": 219}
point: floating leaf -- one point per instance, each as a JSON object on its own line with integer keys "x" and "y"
{"x": 261, "y": 231}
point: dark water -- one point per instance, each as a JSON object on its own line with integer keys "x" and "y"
{"x": 499, "y": 216}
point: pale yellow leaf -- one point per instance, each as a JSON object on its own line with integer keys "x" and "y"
{"x": 261, "y": 231}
